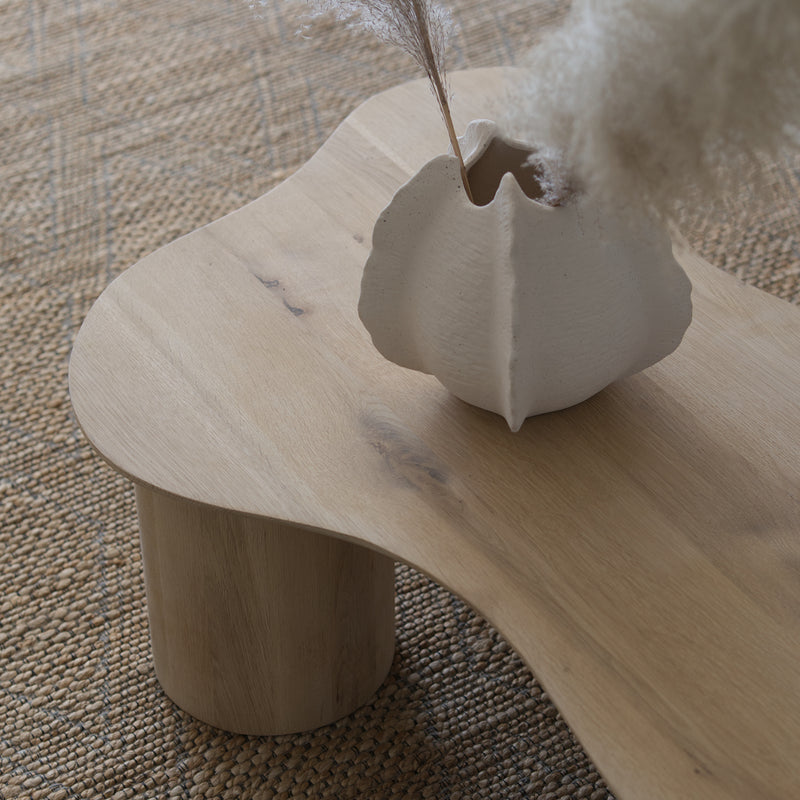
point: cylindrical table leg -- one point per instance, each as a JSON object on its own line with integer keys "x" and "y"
{"x": 259, "y": 627}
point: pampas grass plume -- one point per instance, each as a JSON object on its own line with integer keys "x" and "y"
{"x": 668, "y": 103}
{"x": 421, "y": 28}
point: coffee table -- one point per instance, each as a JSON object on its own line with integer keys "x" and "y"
{"x": 641, "y": 551}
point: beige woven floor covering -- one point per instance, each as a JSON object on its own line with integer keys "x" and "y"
{"x": 122, "y": 126}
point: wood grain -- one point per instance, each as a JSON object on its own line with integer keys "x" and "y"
{"x": 257, "y": 627}
{"x": 640, "y": 550}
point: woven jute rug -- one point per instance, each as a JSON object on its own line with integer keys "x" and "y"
{"x": 123, "y": 126}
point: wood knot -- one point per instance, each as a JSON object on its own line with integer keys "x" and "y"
{"x": 408, "y": 458}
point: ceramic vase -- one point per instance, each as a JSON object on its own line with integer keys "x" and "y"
{"x": 517, "y": 306}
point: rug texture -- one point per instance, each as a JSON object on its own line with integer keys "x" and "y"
{"x": 123, "y": 126}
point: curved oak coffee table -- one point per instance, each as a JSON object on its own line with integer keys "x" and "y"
{"x": 641, "y": 551}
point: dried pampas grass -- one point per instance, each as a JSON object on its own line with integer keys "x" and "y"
{"x": 665, "y": 103}
{"x": 419, "y": 27}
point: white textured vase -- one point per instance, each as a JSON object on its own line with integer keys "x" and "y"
{"x": 516, "y": 306}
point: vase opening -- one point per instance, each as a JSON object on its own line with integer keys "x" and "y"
{"x": 499, "y": 158}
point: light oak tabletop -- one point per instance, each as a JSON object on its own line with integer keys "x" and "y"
{"x": 641, "y": 551}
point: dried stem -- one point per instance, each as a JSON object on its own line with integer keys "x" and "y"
{"x": 421, "y": 28}
{"x": 429, "y": 62}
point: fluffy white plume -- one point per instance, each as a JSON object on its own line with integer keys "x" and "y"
{"x": 419, "y": 27}
{"x": 666, "y": 102}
